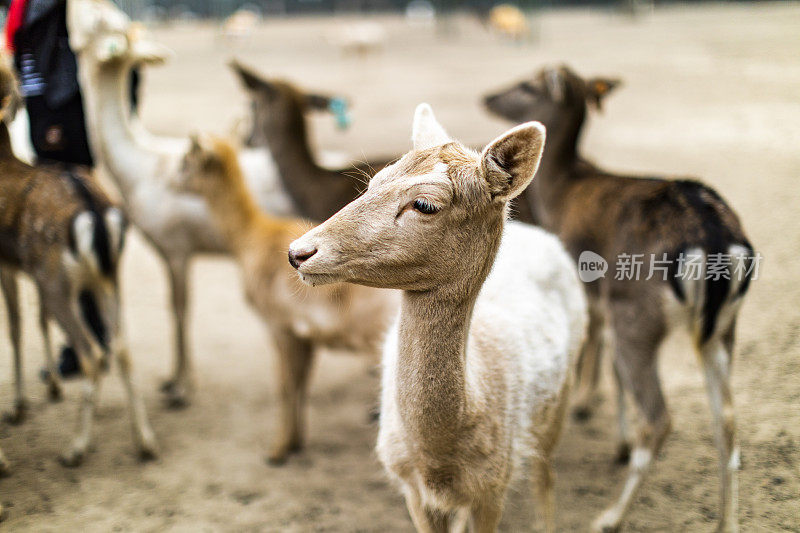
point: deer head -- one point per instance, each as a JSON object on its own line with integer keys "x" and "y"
{"x": 101, "y": 30}
{"x": 551, "y": 94}
{"x": 280, "y": 102}
{"x": 432, "y": 218}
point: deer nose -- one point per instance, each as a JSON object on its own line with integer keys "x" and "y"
{"x": 298, "y": 257}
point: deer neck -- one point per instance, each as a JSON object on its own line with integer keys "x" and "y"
{"x": 556, "y": 170}
{"x": 317, "y": 192}
{"x": 114, "y": 138}
{"x": 234, "y": 210}
{"x": 287, "y": 136}
{"x": 433, "y": 394}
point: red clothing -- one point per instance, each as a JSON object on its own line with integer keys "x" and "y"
{"x": 16, "y": 16}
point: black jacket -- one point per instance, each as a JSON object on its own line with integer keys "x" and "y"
{"x": 44, "y": 35}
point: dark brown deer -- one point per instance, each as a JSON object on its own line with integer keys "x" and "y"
{"x": 279, "y": 117}
{"x": 673, "y": 224}
{"x": 279, "y": 111}
{"x": 61, "y": 230}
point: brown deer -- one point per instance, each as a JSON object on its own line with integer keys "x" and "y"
{"x": 476, "y": 370}
{"x": 279, "y": 115}
{"x": 299, "y": 319}
{"x": 60, "y": 229}
{"x": 668, "y": 224}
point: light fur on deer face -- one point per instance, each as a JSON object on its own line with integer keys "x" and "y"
{"x": 440, "y": 185}
{"x": 475, "y": 371}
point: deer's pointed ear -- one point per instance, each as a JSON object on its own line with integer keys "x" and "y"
{"x": 318, "y": 102}
{"x": 510, "y": 161}
{"x": 427, "y": 132}
{"x": 598, "y": 88}
{"x": 248, "y": 76}
{"x": 194, "y": 143}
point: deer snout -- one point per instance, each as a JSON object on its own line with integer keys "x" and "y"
{"x": 298, "y": 256}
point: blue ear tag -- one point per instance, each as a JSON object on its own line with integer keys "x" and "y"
{"x": 338, "y": 106}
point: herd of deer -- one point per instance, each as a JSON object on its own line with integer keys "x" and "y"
{"x": 488, "y": 323}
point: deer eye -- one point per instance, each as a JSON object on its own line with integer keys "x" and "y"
{"x": 425, "y": 207}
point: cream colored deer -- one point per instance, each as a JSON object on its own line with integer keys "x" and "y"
{"x": 476, "y": 370}
{"x": 300, "y": 320}
{"x": 179, "y": 226}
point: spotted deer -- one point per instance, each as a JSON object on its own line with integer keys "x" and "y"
{"x": 61, "y": 230}
{"x": 668, "y": 224}
{"x": 476, "y": 369}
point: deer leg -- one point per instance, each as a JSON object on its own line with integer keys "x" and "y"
{"x": 179, "y": 387}
{"x": 623, "y": 444}
{"x": 459, "y": 521}
{"x": 588, "y": 368}
{"x": 638, "y": 336}
{"x": 76, "y": 453}
{"x": 143, "y": 435}
{"x": 425, "y": 520}
{"x": 486, "y": 515}
{"x": 5, "y": 466}
{"x": 54, "y": 388}
{"x": 716, "y": 357}
{"x": 543, "y": 481}
{"x": 89, "y": 355}
{"x": 294, "y": 364}
{"x": 8, "y": 282}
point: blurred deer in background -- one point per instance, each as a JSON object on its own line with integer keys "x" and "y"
{"x": 178, "y": 225}
{"x": 300, "y": 319}
{"x": 60, "y": 229}
{"x": 279, "y": 109}
{"x": 476, "y": 370}
{"x": 668, "y": 223}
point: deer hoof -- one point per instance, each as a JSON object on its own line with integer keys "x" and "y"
{"x": 17, "y": 415}
{"x": 176, "y": 394}
{"x": 275, "y": 459}
{"x": 608, "y": 522}
{"x": 72, "y": 458}
{"x": 54, "y": 392}
{"x": 582, "y": 413}
{"x": 623, "y": 454}
{"x": 147, "y": 454}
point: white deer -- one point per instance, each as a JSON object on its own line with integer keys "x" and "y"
{"x": 476, "y": 370}
{"x": 142, "y": 165}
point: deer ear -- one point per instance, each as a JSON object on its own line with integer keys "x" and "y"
{"x": 318, "y": 102}
{"x": 510, "y": 161}
{"x": 598, "y": 88}
{"x": 427, "y": 132}
{"x": 194, "y": 143}
{"x": 249, "y": 78}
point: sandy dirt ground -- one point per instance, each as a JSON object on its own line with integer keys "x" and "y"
{"x": 710, "y": 92}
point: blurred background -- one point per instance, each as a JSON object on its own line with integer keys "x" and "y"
{"x": 709, "y": 89}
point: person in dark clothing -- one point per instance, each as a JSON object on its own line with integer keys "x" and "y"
{"x": 48, "y": 73}
{"x": 37, "y": 34}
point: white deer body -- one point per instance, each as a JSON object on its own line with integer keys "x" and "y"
{"x": 476, "y": 368}
{"x": 143, "y": 166}
{"x": 526, "y": 326}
